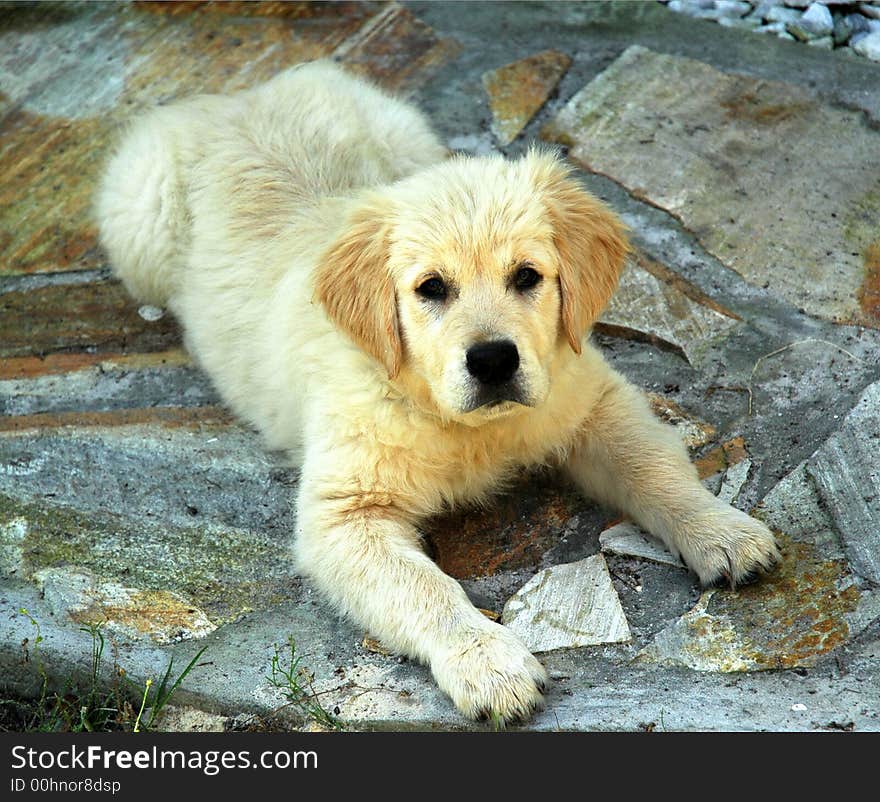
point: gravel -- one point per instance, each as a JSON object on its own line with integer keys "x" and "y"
{"x": 853, "y": 27}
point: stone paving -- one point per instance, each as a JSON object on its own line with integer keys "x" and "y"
{"x": 748, "y": 169}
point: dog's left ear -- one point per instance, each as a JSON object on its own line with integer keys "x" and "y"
{"x": 592, "y": 246}
{"x": 355, "y": 287}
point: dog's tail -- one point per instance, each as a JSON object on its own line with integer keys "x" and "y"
{"x": 141, "y": 210}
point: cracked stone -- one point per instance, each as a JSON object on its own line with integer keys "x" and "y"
{"x": 566, "y": 606}
{"x": 746, "y": 181}
{"x": 518, "y": 90}
{"x": 733, "y": 481}
{"x": 629, "y": 540}
{"x": 650, "y": 305}
{"x": 789, "y": 618}
{"x": 846, "y": 470}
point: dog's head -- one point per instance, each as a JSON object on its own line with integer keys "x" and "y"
{"x": 471, "y": 280}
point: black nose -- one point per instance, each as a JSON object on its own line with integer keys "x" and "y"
{"x": 493, "y": 362}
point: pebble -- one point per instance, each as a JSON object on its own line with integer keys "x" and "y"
{"x": 824, "y": 24}
{"x": 151, "y": 313}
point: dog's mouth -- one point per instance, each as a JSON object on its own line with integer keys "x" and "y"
{"x": 497, "y": 399}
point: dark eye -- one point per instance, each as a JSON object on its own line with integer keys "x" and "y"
{"x": 525, "y": 278}
{"x": 433, "y": 289}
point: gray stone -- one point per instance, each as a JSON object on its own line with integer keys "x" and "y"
{"x": 870, "y": 10}
{"x": 746, "y": 23}
{"x": 765, "y": 7}
{"x": 629, "y": 540}
{"x": 740, "y": 146}
{"x": 823, "y": 43}
{"x": 868, "y": 46}
{"x": 734, "y": 479}
{"x": 567, "y": 606}
{"x": 108, "y": 386}
{"x": 817, "y": 20}
{"x": 782, "y": 14}
{"x": 867, "y": 612}
{"x": 656, "y": 310}
{"x": 846, "y": 470}
{"x": 728, "y": 9}
{"x": 858, "y": 23}
{"x": 843, "y": 29}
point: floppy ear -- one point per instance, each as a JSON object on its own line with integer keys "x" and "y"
{"x": 592, "y": 245}
{"x": 354, "y": 285}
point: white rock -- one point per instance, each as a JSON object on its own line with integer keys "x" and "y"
{"x": 151, "y": 313}
{"x": 782, "y": 14}
{"x": 732, "y": 8}
{"x": 870, "y": 10}
{"x": 567, "y": 606}
{"x": 629, "y": 540}
{"x": 823, "y": 43}
{"x": 868, "y": 46}
{"x": 817, "y": 20}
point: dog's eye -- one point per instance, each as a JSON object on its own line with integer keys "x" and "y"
{"x": 526, "y": 278}
{"x": 433, "y": 289}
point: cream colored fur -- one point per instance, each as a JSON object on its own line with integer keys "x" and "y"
{"x": 289, "y": 228}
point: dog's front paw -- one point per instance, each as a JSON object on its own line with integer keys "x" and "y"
{"x": 726, "y": 546}
{"x": 490, "y": 674}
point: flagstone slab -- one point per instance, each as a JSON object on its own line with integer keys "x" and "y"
{"x": 517, "y": 91}
{"x": 846, "y": 472}
{"x": 566, "y": 606}
{"x": 650, "y": 305}
{"x": 790, "y": 618}
{"x": 824, "y": 514}
{"x": 735, "y": 159}
{"x": 630, "y": 540}
{"x": 396, "y": 49}
{"x": 73, "y": 75}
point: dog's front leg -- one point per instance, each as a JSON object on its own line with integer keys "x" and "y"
{"x": 364, "y": 553}
{"x": 628, "y": 459}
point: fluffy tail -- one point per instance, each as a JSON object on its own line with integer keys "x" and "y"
{"x": 141, "y": 210}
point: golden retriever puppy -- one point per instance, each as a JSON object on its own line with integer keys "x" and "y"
{"x": 413, "y": 328}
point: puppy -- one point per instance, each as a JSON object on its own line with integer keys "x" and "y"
{"x": 412, "y": 329}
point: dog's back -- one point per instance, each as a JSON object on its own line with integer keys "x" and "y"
{"x": 250, "y": 163}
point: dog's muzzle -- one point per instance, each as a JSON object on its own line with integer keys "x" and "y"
{"x": 494, "y": 366}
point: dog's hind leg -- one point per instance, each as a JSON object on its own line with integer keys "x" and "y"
{"x": 141, "y": 209}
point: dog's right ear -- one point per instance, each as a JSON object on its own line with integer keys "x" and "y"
{"x": 354, "y": 285}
